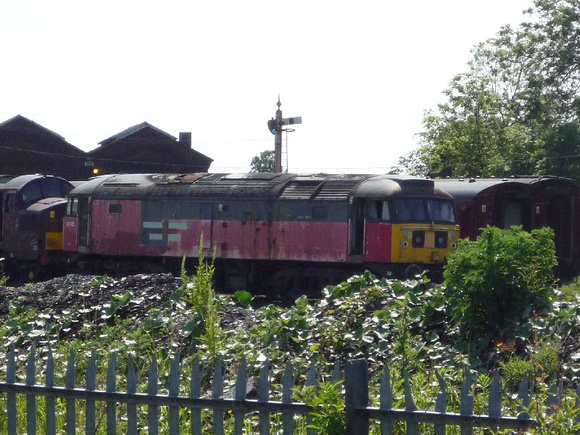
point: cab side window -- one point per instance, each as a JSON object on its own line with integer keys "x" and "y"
{"x": 378, "y": 210}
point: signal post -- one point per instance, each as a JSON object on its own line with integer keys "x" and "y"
{"x": 275, "y": 127}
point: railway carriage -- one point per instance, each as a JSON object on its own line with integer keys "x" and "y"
{"x": 532, "y": 202}
{"x": 285, "y": 231}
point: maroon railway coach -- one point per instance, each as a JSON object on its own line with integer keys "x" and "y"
{"x": 530, "y": 202}
{"x": 285, "y": 231}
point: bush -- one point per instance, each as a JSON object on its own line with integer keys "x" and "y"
{"x": 500, "y": 278}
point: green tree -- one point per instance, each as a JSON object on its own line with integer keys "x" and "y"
{"x": 263, "y": 162}
{"x": 513, "y": 108}
{"x": 562, "y": 153}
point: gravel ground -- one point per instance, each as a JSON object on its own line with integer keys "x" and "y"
{"x": 69, "y": 292}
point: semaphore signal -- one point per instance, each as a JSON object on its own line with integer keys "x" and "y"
{"x": 275, "y": 127}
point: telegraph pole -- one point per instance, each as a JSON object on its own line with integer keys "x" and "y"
{"x": 275, "y": 127}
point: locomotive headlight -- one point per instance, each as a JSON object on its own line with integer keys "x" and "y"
{"x": 405, "y": 244}
{"x": 435, "y": 256}
{"x": 407, "y": 234}
{"x": 453, "y": 235}
{"x": 454, "y": 246}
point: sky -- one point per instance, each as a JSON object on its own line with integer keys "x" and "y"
{"x": 360, "y": 74}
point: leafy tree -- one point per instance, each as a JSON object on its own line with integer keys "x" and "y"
{"x": 514, "y": 110}
{"x": 263, "y": 163}
{"x": 562, "y": 151}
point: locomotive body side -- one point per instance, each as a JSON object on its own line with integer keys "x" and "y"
{"x": 235, "y": 222}
{"x": 264, "y": 227}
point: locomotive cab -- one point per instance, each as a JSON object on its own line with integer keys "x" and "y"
{"x": 402, "y": 226}
{"x": 32, "y": 210}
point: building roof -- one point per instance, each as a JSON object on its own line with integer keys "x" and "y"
{"x": 27, "y": 147}
{"x": 134, "y": 129}
{"x": 146, "y": 148}
{"x": 22, "y": 124}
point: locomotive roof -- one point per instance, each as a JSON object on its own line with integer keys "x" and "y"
{"x": 388, "y": 185}
{"x": 252, "y": 185}
{"x": 20, "y": 181}
{"x": 467, "y": 188}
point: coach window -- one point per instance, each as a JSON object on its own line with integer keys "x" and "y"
{"x": 115, "y": 208}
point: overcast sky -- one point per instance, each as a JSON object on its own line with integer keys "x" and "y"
{"x": 361, "y": 74}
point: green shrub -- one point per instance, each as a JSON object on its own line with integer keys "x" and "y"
{"x": 500, "y": 278}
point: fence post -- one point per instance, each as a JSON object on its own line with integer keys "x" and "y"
{"x": 50, "y": 400}
{"x": 70, "y": 402}
{"x": 111, "y": 387}
{"x": 357, "y": 396}
{"x": 91, "y": 385}
{"x": 152, "y": 387}
{"x": 31, "y": 398}
{"x": 195, "y": 393}
{"x": 240, "y": 395}
{"x": 174, "y": 377}
{"x": 288, "y": 384}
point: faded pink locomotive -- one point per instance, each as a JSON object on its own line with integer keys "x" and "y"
{"x": 271, "y": 230}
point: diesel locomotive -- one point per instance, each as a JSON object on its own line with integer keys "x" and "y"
{"x": 263, "y": 230}
{"x": 33, "y": 207}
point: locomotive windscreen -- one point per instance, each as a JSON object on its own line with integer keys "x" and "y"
{"x": 423, "y": 210}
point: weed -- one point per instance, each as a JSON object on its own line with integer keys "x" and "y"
{"x": 327, "y": 403}
{"x": 513, "y": 371}
{"x": 198, "y": 291}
